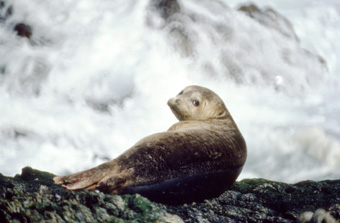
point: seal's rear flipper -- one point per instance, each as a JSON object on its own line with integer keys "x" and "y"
{"x": 87, "y": 179}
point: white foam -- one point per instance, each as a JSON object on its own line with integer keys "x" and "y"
{"x": 95, "y": 78}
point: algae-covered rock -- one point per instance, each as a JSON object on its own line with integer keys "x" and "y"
{"x": 260, "y": 200}
{"x": 33, "y": 197}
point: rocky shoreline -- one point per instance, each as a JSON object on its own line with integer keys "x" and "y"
{"x": 32, "y": 197}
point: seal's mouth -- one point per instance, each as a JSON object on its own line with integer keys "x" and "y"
{"x": 173, "y": 104}
{"x": 176, "y": 111}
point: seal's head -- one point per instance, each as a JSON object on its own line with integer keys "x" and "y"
{"x": 198, "y": 103}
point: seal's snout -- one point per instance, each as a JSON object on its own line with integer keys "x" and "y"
{"x": 174, "y": 101}
{"x": 171, "y": 102}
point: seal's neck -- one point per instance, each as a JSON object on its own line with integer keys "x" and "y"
{"x": 206, "y": 124}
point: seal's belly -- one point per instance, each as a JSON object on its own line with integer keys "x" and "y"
{"x": 188, "y": 188}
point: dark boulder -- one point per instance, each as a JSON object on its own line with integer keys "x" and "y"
{"x": 23, "y": 30}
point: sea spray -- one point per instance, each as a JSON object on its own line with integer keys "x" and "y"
{"x": 94, "y": 78}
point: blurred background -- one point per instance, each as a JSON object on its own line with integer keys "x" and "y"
{"x": 82, "y": 81}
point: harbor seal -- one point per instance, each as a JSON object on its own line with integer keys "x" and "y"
{"x": 198, "y": 158}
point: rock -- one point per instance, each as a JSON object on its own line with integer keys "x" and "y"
{"x": 23, "y": 30}
{"x": 270, "y": 18}
{"x": 33, "y": 197}
{"x": 167, "y": 15}
{"x": 260, "y": 200}
{"x": 165, "y": 8}
{"x": 320, "y": 216}
{"x": 5, "y": 10}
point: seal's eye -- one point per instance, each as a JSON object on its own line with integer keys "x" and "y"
{"x": 195, "y": 103}
{"x": 180, "y": 93}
